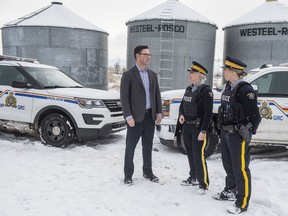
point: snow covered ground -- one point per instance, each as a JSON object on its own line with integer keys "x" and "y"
{"x": 86, "y": 180}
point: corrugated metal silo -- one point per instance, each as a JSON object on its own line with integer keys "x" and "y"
{"x": 176, "y": 36}
{"x": 56, "y": 36}
{"x": 260, "y": 36}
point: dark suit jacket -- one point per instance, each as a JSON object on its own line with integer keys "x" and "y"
{"x": 133, "y": 96}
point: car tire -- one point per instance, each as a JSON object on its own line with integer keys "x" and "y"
{"x": 211, "y": 146}
{"x": 180, "y": 143}
{"x": 56, "y": 130}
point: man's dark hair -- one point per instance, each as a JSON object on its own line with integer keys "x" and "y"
{"x": 139, "y": 49}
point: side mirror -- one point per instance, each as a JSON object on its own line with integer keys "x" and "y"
{"x": 219, "y": 87}
{"x": 19, "y": 84}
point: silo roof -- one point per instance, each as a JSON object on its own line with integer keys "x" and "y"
{"x": 54, "y": 15}
{"x": 269, "y": 12}
{"x": 172, "y": 9}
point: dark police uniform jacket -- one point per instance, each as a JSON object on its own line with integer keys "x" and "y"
{"x": 239, "y": 106}
{"x": 197, "y": 105}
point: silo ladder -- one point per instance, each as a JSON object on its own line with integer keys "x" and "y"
{"x": 166, "y": 54}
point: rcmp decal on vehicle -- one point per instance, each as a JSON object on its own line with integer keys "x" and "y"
{"x": 40, "y": 96}
{"x": 266, "y": 111}
{"x": 11, "y": 100}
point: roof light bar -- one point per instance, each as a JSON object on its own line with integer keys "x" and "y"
{"x": 16, "y": 58}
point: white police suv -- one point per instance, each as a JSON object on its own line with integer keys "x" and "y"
{"x": 271, "y": 83}
{"x": 44, "y": 100}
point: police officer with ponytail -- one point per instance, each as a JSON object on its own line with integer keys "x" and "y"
{"x": 239, "y": 118}
{"x": 195, "y": 113}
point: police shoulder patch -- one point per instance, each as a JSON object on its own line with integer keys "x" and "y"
{"x": 251, "y": 95}
{"x": 210, "y": 94}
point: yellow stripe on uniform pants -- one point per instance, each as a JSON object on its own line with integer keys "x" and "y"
{"x": 203, "y": 162}
{"x": 246, "y": 184}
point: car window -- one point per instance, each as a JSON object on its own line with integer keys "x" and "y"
{"x": 274, "y": 84}
{"x": 51, "y": 77}
{"x": 9, "y": 74}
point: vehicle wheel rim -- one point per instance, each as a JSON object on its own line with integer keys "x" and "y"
{"x": 56, "y": 131}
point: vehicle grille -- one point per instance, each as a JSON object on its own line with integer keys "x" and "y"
{"x": 113, "y": 105}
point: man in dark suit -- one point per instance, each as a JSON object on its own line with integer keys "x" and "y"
{"x": 142, "y": 108}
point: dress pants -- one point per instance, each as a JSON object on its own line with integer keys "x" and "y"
{"x": 145, "y": 130}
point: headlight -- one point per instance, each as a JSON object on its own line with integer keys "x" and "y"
{"x": 166, "y": 108}
{"x": 90, "y": 103}
{"x": 166, "y": 102}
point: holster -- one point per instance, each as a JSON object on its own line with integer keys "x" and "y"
{"x": 245, "y": 132}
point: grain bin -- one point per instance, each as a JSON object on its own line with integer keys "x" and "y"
{"x": 176, "y": 36}
{"x": 260, "y": 36}
{"x": 56, "y": 36}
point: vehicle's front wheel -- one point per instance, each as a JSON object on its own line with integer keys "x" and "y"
{"x": 212, "y": 142}
{"x": 56, "y": 130}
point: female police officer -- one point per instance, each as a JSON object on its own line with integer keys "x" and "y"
{"x": 239, "y": 118}
{"x": 195, "y": 113}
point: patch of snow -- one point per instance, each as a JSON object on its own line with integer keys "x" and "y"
{"x": 269, "y": 12}
{"x": 172, "y": 9}
{"x": 54, "y": 15}
{"x": 84, "y": 180}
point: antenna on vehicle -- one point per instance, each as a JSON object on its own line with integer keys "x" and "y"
{"x": 266, "y": 66}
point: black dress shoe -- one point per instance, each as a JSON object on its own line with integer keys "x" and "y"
{"x": 128, "y": 181}
{"x": 151, "y": 176}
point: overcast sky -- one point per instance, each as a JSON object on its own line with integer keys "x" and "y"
{"x": 111, "y": 16}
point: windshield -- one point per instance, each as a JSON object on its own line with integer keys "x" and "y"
{"x": 52, "y": 78}
{"x": 251, "y": 73}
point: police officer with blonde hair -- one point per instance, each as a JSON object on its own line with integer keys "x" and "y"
{"x": 239, "y": 118}
{"x": 195, "y": 113}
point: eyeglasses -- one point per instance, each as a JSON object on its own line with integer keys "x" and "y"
{"x": 145, "y": 54}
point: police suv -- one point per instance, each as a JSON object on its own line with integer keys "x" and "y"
{"x": 271, "y": 83}
{"x": 42, "y": 100}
